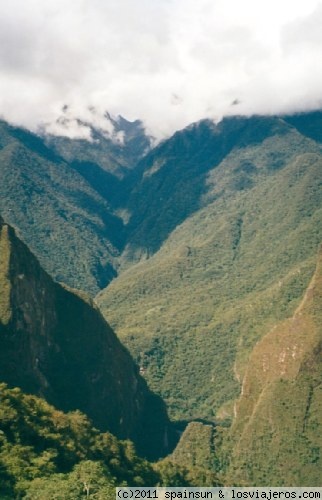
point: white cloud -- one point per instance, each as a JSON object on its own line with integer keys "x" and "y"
{"x": 168, "y": 62}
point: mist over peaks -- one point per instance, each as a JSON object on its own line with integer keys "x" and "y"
{"x": 168, "y": 63}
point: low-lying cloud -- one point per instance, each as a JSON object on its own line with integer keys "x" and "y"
{"x": 167, "y": 62}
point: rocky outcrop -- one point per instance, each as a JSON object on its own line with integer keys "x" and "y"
{"x": 54, "y": 343}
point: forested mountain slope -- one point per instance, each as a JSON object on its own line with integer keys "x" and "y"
{"x": 238, "y": 262}
{"x": 173, "y": 177}
{"x": 45, "y": 453}
{"x": 276, "y": 436}
{"x": 71, "y": 228}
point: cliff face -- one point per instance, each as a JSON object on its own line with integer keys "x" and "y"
{"x": 277, "y": 431}
{"x": 55, "y": 343}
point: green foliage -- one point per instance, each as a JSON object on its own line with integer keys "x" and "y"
{"x": 196, "y": 446}
{"x": 176, "y": 474}
{"x": 45, "y": 453}
{"x": 88, "y": 479}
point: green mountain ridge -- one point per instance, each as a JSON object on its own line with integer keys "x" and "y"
{"x": 174, "y": 175}
{"x": 105, "y": 162}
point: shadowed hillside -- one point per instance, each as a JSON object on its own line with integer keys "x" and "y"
{"x": 55, "y": 343}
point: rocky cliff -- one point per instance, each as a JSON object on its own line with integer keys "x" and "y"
{"x": 55, "y": 343}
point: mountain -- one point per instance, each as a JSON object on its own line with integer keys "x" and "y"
{"x": 116, "y": 149}
{"x": 108, "y": 157}
{"x": 54, "y": 343}
{"x": 174, "y": 175}
{"x": 235, "y": 210}
{"x": 70, "y": 227}
{"x": 63, "y": 195}
{"x": 276, "y": 436}
{"x": 308, "y": 124}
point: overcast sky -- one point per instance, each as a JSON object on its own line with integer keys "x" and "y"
{"x": 168, "y": 62}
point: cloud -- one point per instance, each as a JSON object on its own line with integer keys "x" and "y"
{"x": 168, "y": 62}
